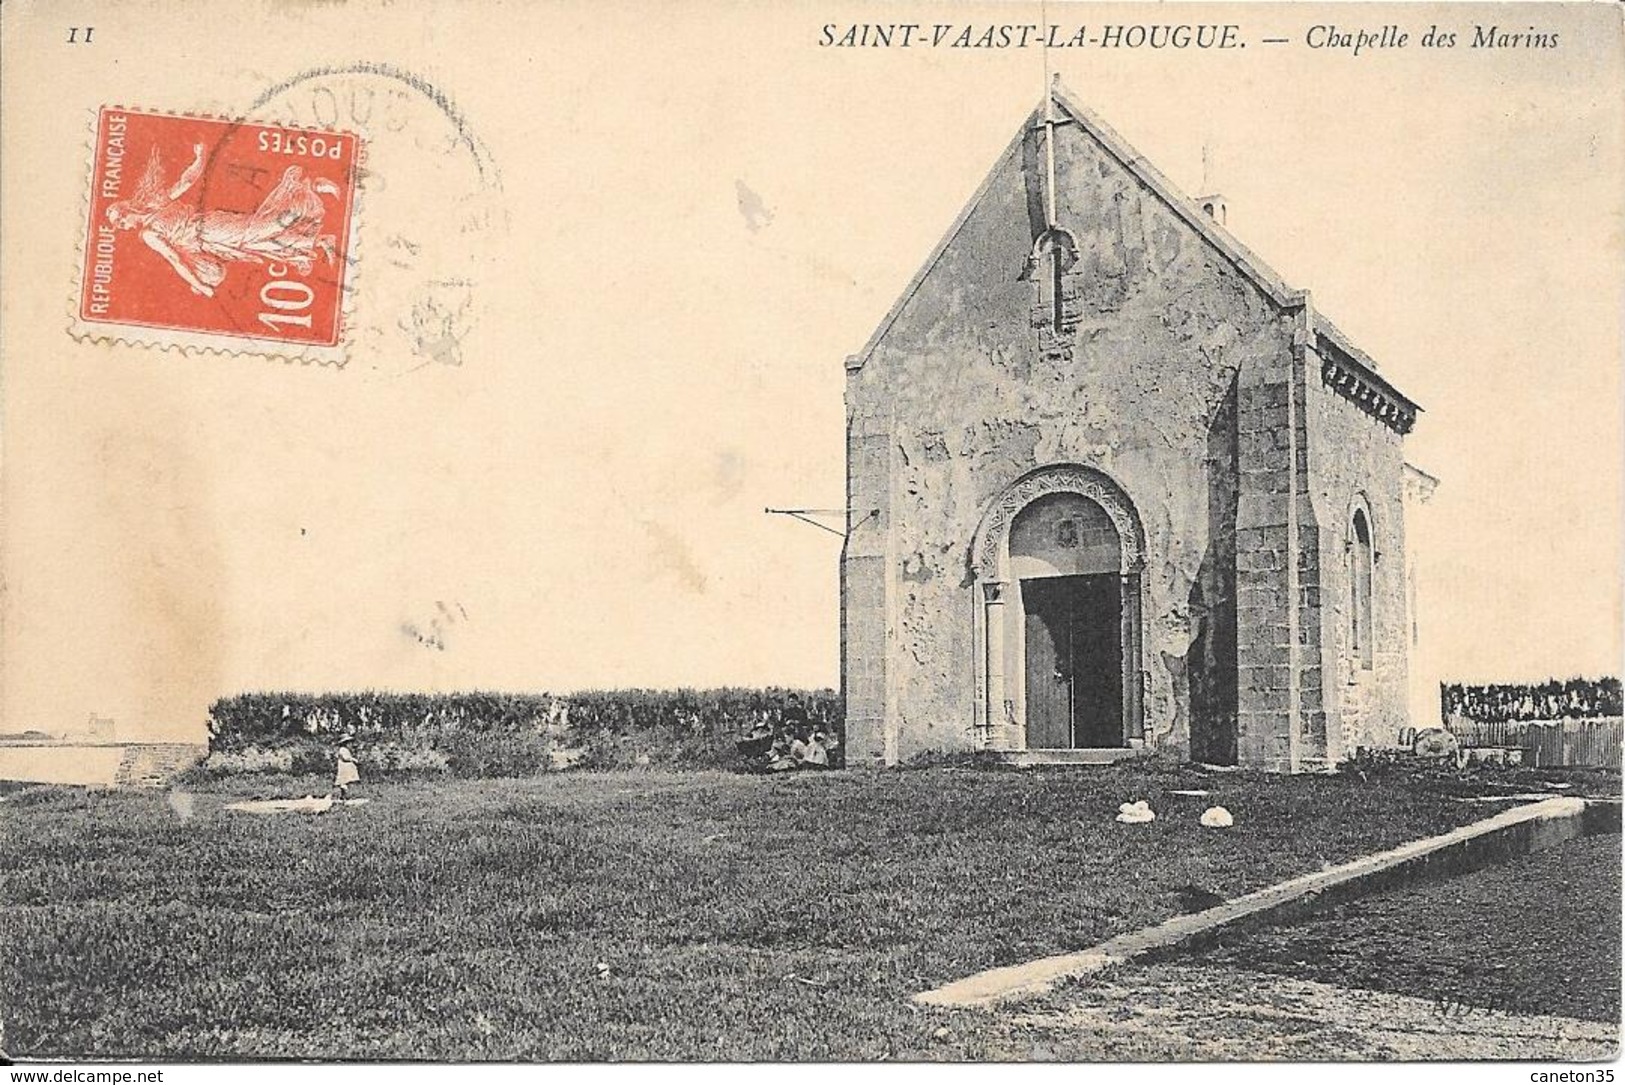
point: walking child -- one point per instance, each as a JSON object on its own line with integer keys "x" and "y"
{"x": 347, "y": 773}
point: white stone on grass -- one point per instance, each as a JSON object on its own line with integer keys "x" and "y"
{"x": 1135, "y": 813}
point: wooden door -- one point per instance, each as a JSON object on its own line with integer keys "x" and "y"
{"x": 1097, "y": 661}
{"x": 1074, "y": 653}
{"x": 1049, "y": 663}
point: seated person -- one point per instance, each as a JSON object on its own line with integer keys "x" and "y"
{"x": 780, "y": 758}
{"x": 815, "y": 752}
{"x": 793, "y": 717}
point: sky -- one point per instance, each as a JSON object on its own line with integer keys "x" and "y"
{"x": 660, "y": 231}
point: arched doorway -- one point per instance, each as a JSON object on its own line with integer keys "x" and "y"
{"x": 1057, "y": 559}
{"x": 1065, "y": 555}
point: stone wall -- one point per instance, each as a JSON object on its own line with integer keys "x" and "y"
{"x": 1356, "y": 460}
{"x": 1270, "y": 646}
{"x": 961, "y": 394}
{"x": 98, "y": 764}
{"x": 1126, "y": 340}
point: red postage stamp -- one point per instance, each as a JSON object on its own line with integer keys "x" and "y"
{"x": 204, "y": 231}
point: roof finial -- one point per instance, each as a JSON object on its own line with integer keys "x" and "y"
{"x": 1213, "y": 203}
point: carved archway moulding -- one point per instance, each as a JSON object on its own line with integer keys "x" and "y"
{"x": 991, "y": 544}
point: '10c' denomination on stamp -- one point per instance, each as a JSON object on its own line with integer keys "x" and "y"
{"x": 219, "y": 234}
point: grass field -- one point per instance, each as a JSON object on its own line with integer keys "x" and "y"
{"x": 615, "y": 916}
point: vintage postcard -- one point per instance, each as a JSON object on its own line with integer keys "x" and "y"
{"x": 810, "y": 532}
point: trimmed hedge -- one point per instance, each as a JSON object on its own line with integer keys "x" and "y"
{"x": 1556, "y": 698}
{"x": 494, "y": 734}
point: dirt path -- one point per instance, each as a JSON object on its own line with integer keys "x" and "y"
{"x": 1537, "y": 935}
{"x": 1175, "y": 1012}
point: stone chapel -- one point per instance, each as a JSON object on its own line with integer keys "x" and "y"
{"x": 1113, "y": 487}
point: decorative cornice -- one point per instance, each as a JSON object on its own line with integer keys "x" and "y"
{"x": 1367, "y": 391}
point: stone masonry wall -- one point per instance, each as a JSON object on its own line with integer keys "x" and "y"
{"x": 1270, "y": 448}
{"x": 1174, "y": 349}
{"x": 1354, "y": 457}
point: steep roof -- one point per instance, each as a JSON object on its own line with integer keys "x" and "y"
{"x": 1328, "y": 337}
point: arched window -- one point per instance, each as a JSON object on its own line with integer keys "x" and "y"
{"x": 1054, "y": 254}
{"x": 1360, "y": 572}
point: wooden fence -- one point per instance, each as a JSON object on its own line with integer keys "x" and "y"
{"x": 1568, "y": 743}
